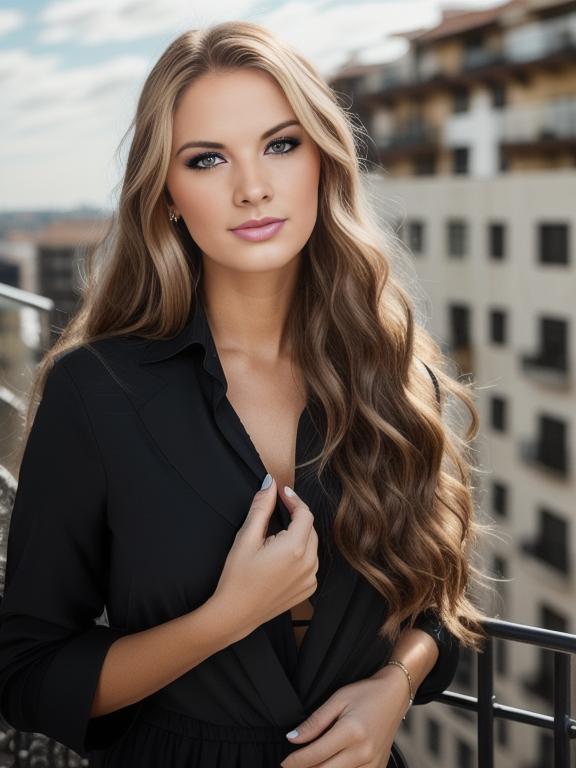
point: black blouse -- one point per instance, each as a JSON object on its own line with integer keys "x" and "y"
{"x": 135, "y": 478}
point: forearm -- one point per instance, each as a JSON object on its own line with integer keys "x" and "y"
{"x": 139, "y": 664}
{"x": 417, "y": 651}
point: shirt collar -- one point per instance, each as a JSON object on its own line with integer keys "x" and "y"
{"x": 196, "y": 331}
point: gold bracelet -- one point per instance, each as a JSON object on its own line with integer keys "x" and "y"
{"x": 403, "y": 668}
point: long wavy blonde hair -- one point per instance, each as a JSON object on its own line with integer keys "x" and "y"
{"x": 406, "y": 519}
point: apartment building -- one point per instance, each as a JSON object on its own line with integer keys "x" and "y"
{"x": 61, "y": 250}
{"x": 472, "y": 152}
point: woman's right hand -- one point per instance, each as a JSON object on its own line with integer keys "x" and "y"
{"x": 265, "y": 576}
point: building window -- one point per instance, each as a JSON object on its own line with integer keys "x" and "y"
{"x": 501, "y": 657}
{"x": 416, "y": 235}
{"x": 434, "y": 737}
{"x": 460, "y": 331}
{"x": 425, "y": 165}
{"x": 500, "y": 567}
{"x": 545, "y": 750}
{"x": 553, "y": 345}
{"x": 498, "y": 326}
{"x": 460, "y": 160}
{"x": 555, "y": 539}
{"x": 500, "y": 499}
{"x": 552, "y": 443}
{"x": 498, "y": 92}
{"x": 500, "y": 573}
{"x": 496, "y": 240}
{"x": 498, "y": 413}
{"x": 464, "y": 755}
{"x": 554, "y": 342}
{"x": 553, "y": 243}
{"x": 552, "y": 541}
{"x": 460, "y": 100}
{"x": 465, "y": 670}
{"x": 502, "y": 734}
{"x": 457, "y": 240}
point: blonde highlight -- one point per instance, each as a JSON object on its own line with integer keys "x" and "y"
{"x": 406, "y": 518}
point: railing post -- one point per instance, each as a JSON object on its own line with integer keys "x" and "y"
{"x": 485, "y": 705}
{"x": 562, "y": 708}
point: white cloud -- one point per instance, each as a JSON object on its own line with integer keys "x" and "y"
{"x": 10, "y": 19}
{"x": 60, "y": 128}
{"x": 35, "y": 92}
{"x": 322, "y": 27}
{"x": 94, "y": 22}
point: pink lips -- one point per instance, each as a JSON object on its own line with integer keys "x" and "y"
{"x": 256, "y": 234}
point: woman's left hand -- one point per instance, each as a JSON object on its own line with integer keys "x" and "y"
{"x": 367, "y": 714}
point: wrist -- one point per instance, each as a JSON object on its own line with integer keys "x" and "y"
{"x": 394, "y": 679}
{"x": 231, "y": 616}
{"x": 231, "y": 623}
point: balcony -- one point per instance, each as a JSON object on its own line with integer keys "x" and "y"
{"x": 560, "y": 725}
{"x": 537, "y": 454}
{"x": 519, "y": 57}
{"x": 474, "y": 58}
{"x": 547, "y": 370}
{"x": 549, "y": 39}
{"x": 409, "y": 140}
{"x": 539, "y": 126}
{"x": 554, "y": 557}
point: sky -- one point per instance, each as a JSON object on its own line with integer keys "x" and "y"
{"x": 71, "y": 72}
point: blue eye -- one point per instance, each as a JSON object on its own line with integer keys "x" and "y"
{"x": 193, "y": 162}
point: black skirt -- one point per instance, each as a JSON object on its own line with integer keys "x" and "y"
{"x": 162, "y": 737}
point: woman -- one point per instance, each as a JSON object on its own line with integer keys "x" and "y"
{"x": 208, "y": 358}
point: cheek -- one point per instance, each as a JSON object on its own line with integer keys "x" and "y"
{"x": 305, "y": 199}
{"x": 306, "y": 177}
{"x": 200, "y": 203}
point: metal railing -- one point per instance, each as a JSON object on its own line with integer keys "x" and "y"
{"x": 562, "y": 725}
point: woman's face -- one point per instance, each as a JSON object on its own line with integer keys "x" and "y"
{"x": 249, "y": 177}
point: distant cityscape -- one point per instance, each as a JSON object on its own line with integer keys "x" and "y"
{"x": 35, "y": 220}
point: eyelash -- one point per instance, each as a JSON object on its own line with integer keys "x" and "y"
{"x": 193, "y": 162}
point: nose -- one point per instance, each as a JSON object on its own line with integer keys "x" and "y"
{"x": 252, "y": 186}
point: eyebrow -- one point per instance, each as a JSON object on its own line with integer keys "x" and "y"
{"x": 217, "y": 145}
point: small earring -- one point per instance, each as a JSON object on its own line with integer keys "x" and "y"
{"x": 173, "y": 216}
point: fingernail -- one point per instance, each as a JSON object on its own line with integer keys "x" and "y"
{"x": 288, "y": 491}
{"x": 292, "y": 735}
{"x": 267, "y": 482}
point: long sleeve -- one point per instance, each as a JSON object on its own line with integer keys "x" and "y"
{"x": 443, "y": 671}
{"x": 56, "y": 582}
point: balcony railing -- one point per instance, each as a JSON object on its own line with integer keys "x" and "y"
{"x": 481, "y": 57}
{"x": 25, "y": 327}
{"x": 518, "y": 55}
{"x": 536, "y": 454}
{"x": 561, "y": 723}
{"x": 541, "y": 121}
{"x": 547, "y": 370}
{"x": 409, "y": 135}
{"x": 536, "y": 42}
